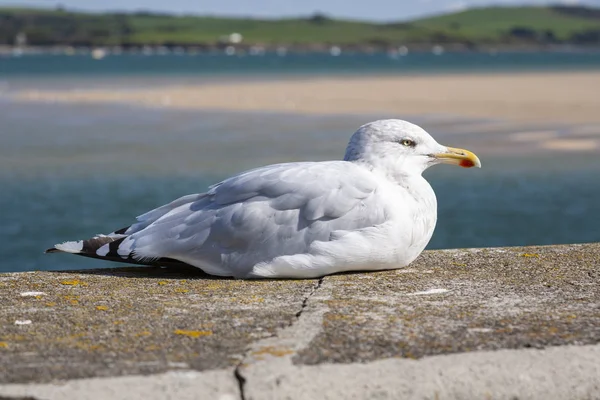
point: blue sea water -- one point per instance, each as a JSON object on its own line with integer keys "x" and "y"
{"x": 71, "y": 171}
{"x": 218, "y": 64}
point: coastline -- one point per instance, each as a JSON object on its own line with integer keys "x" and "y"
{"x": 561, "y": 97}
{"x": 298, "y": 48}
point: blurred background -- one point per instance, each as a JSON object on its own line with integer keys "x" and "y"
{"x": 109, "y": 109}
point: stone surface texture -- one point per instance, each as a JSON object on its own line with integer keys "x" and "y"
{"x": 474, "y": 323}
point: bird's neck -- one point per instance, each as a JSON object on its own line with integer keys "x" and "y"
{"x": 420, "y": 190}
{"x": 401, "y": 174}
{"x": 416, "y": 186}
{"x": 410, "y": 180}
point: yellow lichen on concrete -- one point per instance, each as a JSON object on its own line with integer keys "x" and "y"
{"x": 76, "y": 336}
{"x": 3, "y": 345}
{"x": 192, "y": 334}
{"x": 86, "y": 345}
{"x": 212, "y": 286}
{"x": 249, "y": 300}
{"x": 273, "y": 351}
{"x": 73, "y": 282}
{"x": 102, "y": 308}
{"x": 530, "y": 255}
{"x": 13, "y": 338}
{"x": 334, "y": 317}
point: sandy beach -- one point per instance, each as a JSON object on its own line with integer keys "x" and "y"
{"x": 567, "y": 97}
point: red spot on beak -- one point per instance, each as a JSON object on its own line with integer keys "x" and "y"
{"x": 466, "y": 163}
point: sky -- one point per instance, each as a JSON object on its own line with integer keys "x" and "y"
{"x": 376, "y": 10}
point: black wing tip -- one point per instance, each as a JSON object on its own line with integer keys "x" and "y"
{"x": 122, "y": 230}
{"x": 52, "y": 250}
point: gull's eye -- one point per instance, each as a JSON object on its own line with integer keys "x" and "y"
{"x": 407, "y": 143}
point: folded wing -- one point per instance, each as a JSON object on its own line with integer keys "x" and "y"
{"x": 257, "y": 216}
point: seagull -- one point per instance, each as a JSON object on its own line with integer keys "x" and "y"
{"x": 373, "y": 210}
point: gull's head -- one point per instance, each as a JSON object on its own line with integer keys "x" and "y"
{"x": 401, "y": 147}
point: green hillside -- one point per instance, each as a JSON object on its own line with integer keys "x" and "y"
{"x": 508, "y": 25}
{"x": 494, "y": 23}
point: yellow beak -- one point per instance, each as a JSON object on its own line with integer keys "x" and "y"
{"x": 461, "y": 157}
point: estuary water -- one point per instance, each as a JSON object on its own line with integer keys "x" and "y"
{"x": 70, "y": 171}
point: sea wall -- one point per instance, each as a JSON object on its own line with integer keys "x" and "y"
{"x": 476, "y": 323}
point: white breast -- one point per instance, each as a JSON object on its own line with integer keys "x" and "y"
{"x": 413, "y": 216}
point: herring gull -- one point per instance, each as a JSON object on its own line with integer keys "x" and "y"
{"x": 372, "y": 210}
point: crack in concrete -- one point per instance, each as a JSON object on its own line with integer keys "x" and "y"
{"x": 241, "y": 381}
{"x": 305, "y": 301}
{"x": 237, "y": 372}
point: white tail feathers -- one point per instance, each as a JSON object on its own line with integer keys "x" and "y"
{"x": 70, "y": 247}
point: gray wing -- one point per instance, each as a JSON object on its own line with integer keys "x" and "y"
{"x": 257, "y": 216}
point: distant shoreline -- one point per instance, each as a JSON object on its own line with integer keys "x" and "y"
{"x": 283, "y": 49}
